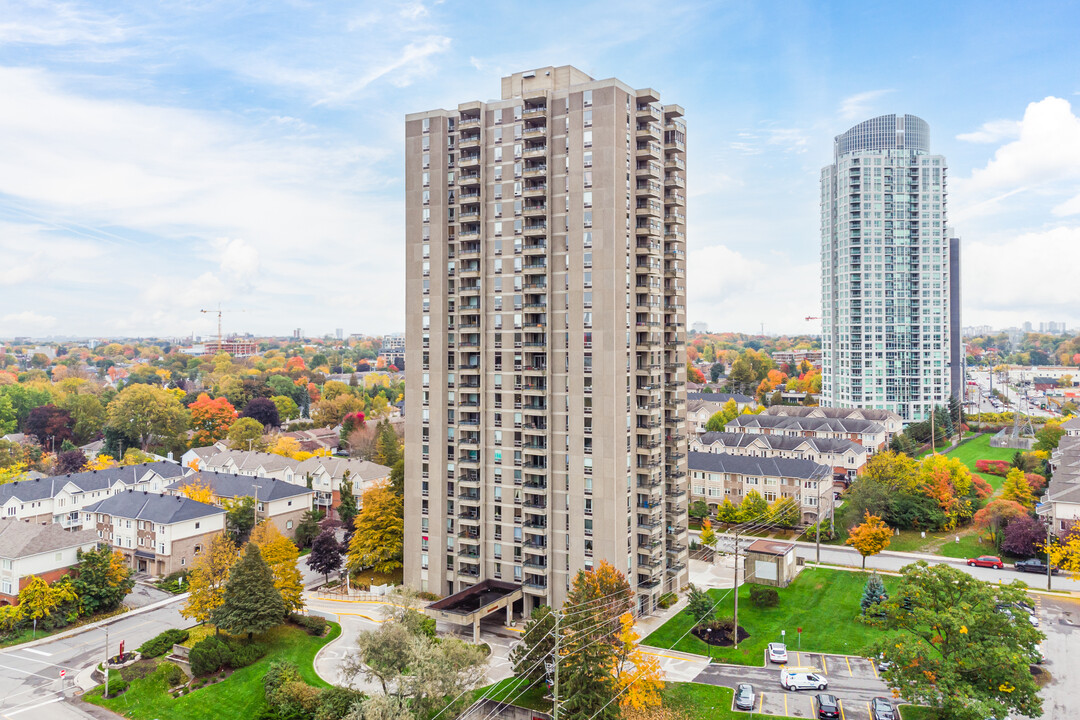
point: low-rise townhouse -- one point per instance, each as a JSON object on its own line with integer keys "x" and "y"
{"x": 716, "y": 476}
{"x": 46, "y": 551}
{"x": 255, "y": 464}
{"x": 327, "y": 474}
{"x": 157, "y": 533}
{"x": 871, "y": 435}
{"x": 891, "y": 421}
{"x": 58, "y": 499}
{"x": 280, "y": 502}
{"x": 846, "y": 457}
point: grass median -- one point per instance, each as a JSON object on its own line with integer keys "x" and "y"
{"x": 823, "y": 602}
{"x": 240, "y": 695}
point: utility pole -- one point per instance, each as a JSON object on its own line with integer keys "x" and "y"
{"x": 735, "y": 633}
{"x": 106, "y": 661}
{"x": 1049, "y": 534}
{"x": 818, "y": 523}
{"x": 933, "y": 435}
{"x": 555, "y": 681}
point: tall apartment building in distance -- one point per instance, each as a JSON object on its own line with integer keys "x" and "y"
{"x": 886, "y": 270}
{"x": 546, "y": 265}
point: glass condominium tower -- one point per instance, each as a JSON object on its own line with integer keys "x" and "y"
{"x": 886, "y": 270}
{"x": 545, "y": 423}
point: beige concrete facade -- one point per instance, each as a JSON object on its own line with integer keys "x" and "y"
{"x": 545, "y": 283}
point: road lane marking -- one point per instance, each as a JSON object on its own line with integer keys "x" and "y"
{"x": 33, "y": 707}
{"x": 27, "y": 672}
{"x": 850, "y": 674}
{"x": 37, "y": 652}
{"x": 43, "y": 662}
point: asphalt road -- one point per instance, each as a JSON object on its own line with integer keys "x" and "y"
{"x": 1060, "y": 621}
{"x": 29, "y": 677}
{"x": 851, "y": 679}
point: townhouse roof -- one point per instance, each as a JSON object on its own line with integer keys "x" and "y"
{"x": 335, "y": 467}
{"x": 158, "y": 508}
{"x": 48, "y": 487}
{"x": 781, "y": 442}
{"x": 1071, "y": 423}
{"x": 719, "y": 397}
{"x": 832, "y": 412}
{"x": 758, "y": 467}
{"x": 209, "y": 451}
{"x": 250, "y": 460}
{"x": 231, "y": 485}
{"x": 23, "y": 539}
{"x": 806, "y": 424}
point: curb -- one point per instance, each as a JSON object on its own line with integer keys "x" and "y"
{"x": 653, "y": 650}
{"x": 315, "y": 660}
{"x": 95, "y": 625}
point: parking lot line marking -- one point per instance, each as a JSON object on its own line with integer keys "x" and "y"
{"x": 785, "y": 704}
{"x": 840, "y": 704}
{"x": 825, "y": 666}
{"x": 873, "y": 666}
{"x": 869, "y": 712}
{"x": 761, "y": 706}
{"x": 850, "y": 674}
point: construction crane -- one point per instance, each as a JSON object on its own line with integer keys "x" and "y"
{"x": 220, "y": 344}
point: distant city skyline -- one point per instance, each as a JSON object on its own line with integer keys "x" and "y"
{"x": 160, "y": 159}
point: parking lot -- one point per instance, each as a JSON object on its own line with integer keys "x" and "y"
{"x": 853, "y": 680}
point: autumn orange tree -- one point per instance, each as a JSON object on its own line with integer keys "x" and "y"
{"x": 211, "y": 419}
{"x": 198, "y": 491}
{"x": 637, "y": 674}
{"x": 206, "y": 582}
{"x": 280, "y": 553}
{"x": 993, "y": 518}
{"x": 870, "y": 537}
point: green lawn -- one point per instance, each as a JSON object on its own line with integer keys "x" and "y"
{"x": 917, "y": 712}
{"x": 517, "y": 692}
{"x": 29, "y": 635}
{"x": 241, "y": 695}
{"x": 979, "y": 449}
{"x": 825, "y": 603}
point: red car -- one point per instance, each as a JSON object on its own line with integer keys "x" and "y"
{"x": 989, "y": 561}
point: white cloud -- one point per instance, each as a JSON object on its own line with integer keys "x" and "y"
{"x": 180, "y": 210}
{"x": 860, "y": 106}
{"x": 995, "y": 293}
{"x": 731, "y": 290}
{"x": 1069, "y": 207}
{"x": 1042, "y": 161}
{"x": 27, "y": 323}
{"x": 40, "y": 22}
{"x": 993, "y": 131}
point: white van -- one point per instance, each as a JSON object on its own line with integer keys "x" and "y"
{"x": 796, "y": 680}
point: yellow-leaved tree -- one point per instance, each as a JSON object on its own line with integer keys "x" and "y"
{"x": 207, "y": 579}
{"x": 1066, "y": 554}
{"x": 198, "y": 491}
{"x": 38, "y": 599}
{"x": 286, "y": 446}
{"x": 637, "y": 674}
{"x": 1017, "y": 488}
{"x": 870, "y": 537}
{"x": 280, "y": 554}
{"x": 101, "y": 462}
{"x": 379, "y": 531}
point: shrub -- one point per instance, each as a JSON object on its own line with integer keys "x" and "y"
{"x": 137, "y": 671}
{"x": 667, "y": 600}
{"x": 993, "y": 467}
{"x": 1036, "y": 481}
{"x": 296, "y": 699}
{"x": 313, "y": 624}
{"x": 277, "y": 675}
{"x": 117, "y": 687}
{"x": 720, "y": 628}
{"x": 335, "y": 702}
{"x": 171, "y": 674}
{"x": 163, "y": 643}
{"x": 425, "y": 595}
{"x": 209, "y": 655}
{"x": 244, "y": 654}
{"x": 171, "y": 583}
{"x": 764, "y": 596}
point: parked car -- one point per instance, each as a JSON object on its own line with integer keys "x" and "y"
{"x": 1033, "y": 565}
{"x": 777, "y": 653}
{"x": 790, "y": 680}
{"x": 881, "y": 709}
{"x": 882, "y": 663}
{"x": 1015, "y": 609}
{"x": 827, "y": 706}
{"x": 744, "y": 696}
{"x": 990, "y": 561}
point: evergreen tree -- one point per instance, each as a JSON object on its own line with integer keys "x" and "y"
{"x": 589, "y": 684}
{"x": 347, "y": 504}
{"x": 252, "y": 604}
{"x": 387, "y": 445}
{"x": 397, "y": 478}
{"x": 537, "y": 643}
{"x": 873, "y": 593}
{"x": 326, "y": 552}
{"x": 698, "y": 605}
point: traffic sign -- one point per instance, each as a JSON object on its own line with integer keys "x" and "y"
{"x": 63, "y": 673}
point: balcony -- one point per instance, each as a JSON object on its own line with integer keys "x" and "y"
{"x": 537, "y": 170}
{"x": 650, "y": 169}
{"x": 649, "y": 130}
{"x": 650, "y": 187}
{"x": 535, "y": 229}
{"x": 535, "y": 190}
{"x": 537, "y": 210}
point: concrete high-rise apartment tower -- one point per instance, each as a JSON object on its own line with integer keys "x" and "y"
{"x": 546, "y": 339}
{"x": 886, "y": 270}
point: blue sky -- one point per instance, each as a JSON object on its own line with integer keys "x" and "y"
{"x": 158, "y": 158}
